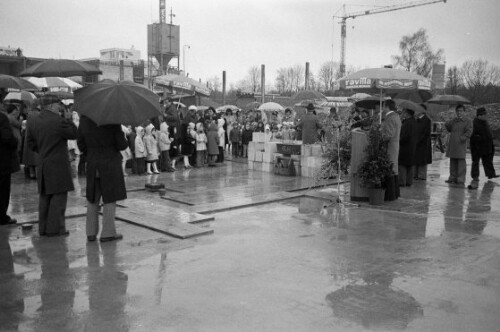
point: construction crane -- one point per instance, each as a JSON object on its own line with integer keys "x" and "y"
{"x": 370, "y": 12}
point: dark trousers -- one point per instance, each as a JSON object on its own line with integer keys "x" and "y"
{"x": 405, "y": 175}
{"x": 51, "y": 210}
{"x": 82, "y": 165}
{"x": 458, "y": 169}
{"x": 141, "y": 165}
{"x": 4, "y": 197}
{"x": 487, "y": 161}
{"x": 220, "y": 159}
{"x": 235, "y": 149}
{"x": 165, "y": 163}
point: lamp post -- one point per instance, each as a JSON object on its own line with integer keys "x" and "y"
{"x": 184, "y": 58}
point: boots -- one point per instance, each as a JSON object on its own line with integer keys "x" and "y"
{"x": 474, "y": 184}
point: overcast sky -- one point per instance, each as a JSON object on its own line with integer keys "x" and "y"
{"x": 235, "y": 35}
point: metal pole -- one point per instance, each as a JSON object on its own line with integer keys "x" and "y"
{"x": 307, "y": 76}
{"x": 263, "y": 83}
{"x": 224, "y": 87}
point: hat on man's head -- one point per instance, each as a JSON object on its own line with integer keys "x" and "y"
{"x": 310, "y": 107}
{"x": 49, "y": 99}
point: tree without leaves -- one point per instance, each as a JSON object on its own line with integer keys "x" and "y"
{"x": 416, "y": 54}
{"x": 479, "y": 78}
{"x": 327, "y": 74}
{"x": 254, "y": 78}
{"x": 453, "y": 80}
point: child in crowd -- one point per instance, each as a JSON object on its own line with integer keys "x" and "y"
{"x": 212, "y": 144}
{"x": 126, "y": 154}
{"x": 151, "y": 145}
{"x": 164, "y": 145}
{"x": 235, "y": 138}
{"x": 131, "y": 145}
{"x": 246, "y": 138}
{"x": 140, "y": 150}
{"x": 268, "y": 135}
{"x": 222, "y": 139}
{"x": 201, "y": 145}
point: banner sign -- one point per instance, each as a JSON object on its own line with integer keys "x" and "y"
{"x": 394, "y": 84}
{"x": 358, "y": 83}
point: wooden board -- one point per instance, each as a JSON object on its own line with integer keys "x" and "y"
{"x": 160, "y": 223}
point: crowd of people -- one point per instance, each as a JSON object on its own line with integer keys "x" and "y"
{"x": 48, "y": 138}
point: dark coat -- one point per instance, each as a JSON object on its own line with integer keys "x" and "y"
{"x": 423, "y": 151}
{"x": 213, "y": 140}
{"x": 172, "y": 118}
{"x": 407, "y": 142}
{"x": 30, "y": 158}
{"x": 102, "y": 146}
{"x": 9, "y": 158}
{"x": 309, "y": 125}
{"x": 48, "y": 134}
{"x": 481, "y": 140}
{"x": 246, "y": 136}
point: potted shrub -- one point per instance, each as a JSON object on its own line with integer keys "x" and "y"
{"x": 376, "y": 167}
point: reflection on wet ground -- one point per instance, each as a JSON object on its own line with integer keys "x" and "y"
{"x": 429, "y": 262}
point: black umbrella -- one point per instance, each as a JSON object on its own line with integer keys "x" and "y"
{"x": 61, "y": 68}
{"x": 7, "y": 81}
{"x": 124, "y": 102}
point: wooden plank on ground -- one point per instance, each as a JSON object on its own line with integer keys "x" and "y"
{"x": 158, "y": 208}
{"x": 160, "y": 223}
{"x": 32, "y": 217}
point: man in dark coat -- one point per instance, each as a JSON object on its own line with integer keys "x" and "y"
{"x": 423, "y": 151}
{"x": 48, "y": 134}
{"x": 309, "y": 126}
{"x": 104, "y": 175}
{"x": 407, "y": 144}
{"x": 9, "y": 163}
{"x": 481, "y": 148}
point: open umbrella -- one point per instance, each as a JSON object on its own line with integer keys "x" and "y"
{"x": 11, "y": 82}
{"x": 53, "y": 82}
{"x": 226, "y": 107}
{"x": 60, "y": 68}
{"x": 124, "y": 102}
{"x": 252, "y": 106}
{"x": 308, "y": 94}
{"x": 408, "y": 104}
{"x": 20, "y": 97}
{"x": 271, "y": 106}
{"x": 448, "y": 100}
{"x": 182, "y": 84}
{"x": 305, "y": 102}
{"x": 357, "y": 96}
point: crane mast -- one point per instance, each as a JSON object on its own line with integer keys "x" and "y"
{"x": 343, "y": 30}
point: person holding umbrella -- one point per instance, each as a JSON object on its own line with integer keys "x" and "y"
{"x": 48, "y": 134}
{"x": 105, "y": 180}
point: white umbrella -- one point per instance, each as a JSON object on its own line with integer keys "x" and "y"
{"x": 270, "y": 107}
{"x": 53, "y": 82}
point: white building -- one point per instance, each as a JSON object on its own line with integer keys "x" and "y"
{"x": 117, "y": 54}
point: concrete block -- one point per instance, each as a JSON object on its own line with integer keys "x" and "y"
{"x": 251, "y": 151}
{"x": 258, "y": 156}
{"x": 316, "y": 150}
{"x": 306, "y": 150}
{"x": 259, "y": 146}
{"x": 257, "y": 167}
{"x": 270, "y": 147}
{"x": 250, "y": 165}
{"x": 258, "y": 137}
{"x": 268, "y": 167}
{"x": 295, "y": 157}
{"x": 298, "y": 169}
{"x": 267, "y": 157}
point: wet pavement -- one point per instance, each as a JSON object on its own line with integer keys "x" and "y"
{"x": 277, "y": 260}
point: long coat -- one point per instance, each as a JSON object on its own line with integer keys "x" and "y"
{"x": 309, "y": 124}
{"x": 407, "y": 142}
{"x": 423, "y": 151}
{"x": 9, "y": 160}
{"x": 48, "y": 134}
{"x": 213, "y": 139}
{"x": 481, "y": 141}
{"x": 460, "y": 131}
{"x": 391, "y": 130}
{"x": 102, "y": 146}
